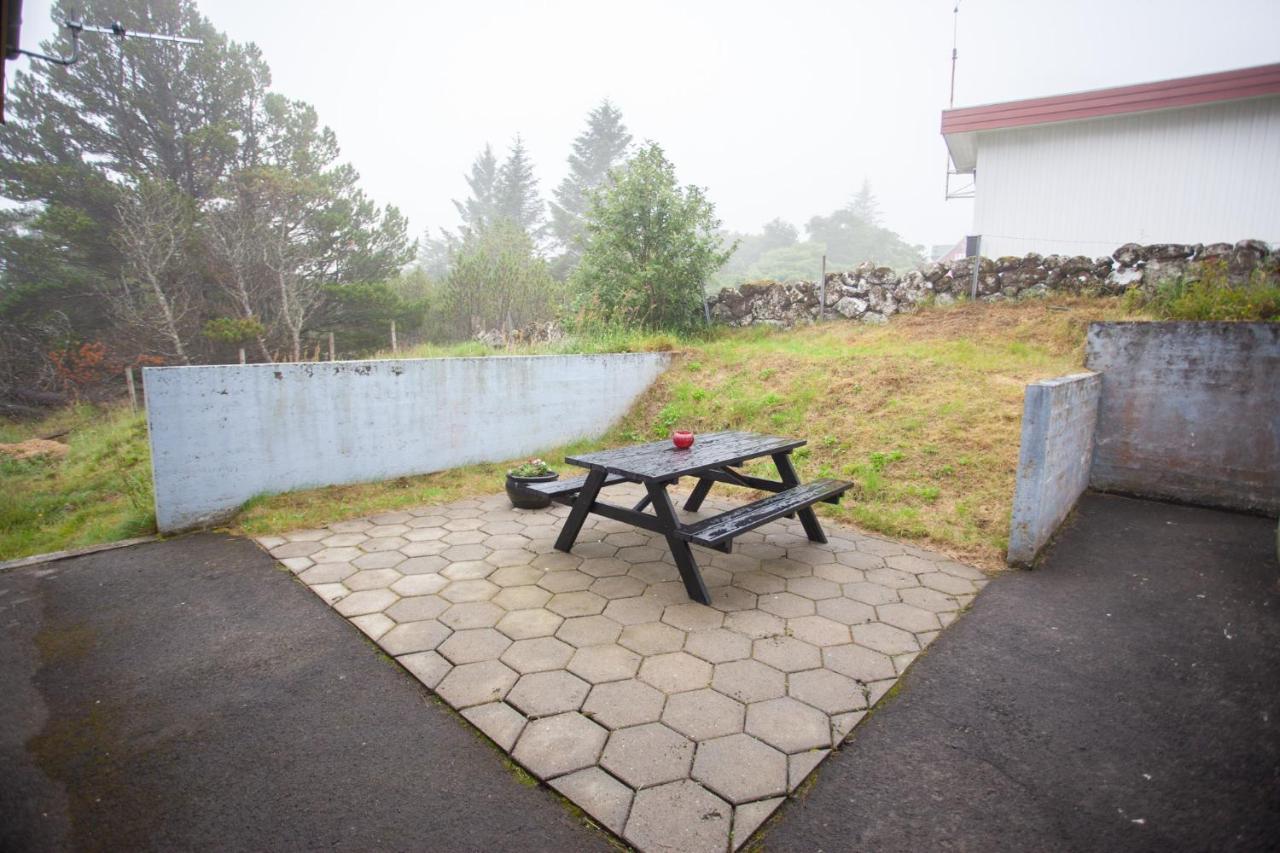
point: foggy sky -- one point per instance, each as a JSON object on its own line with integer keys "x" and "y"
{"x": 779, "y": 109}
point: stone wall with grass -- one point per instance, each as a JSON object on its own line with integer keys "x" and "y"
{"x": 872, "y": 294}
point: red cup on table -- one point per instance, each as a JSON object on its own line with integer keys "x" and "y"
{"x": 682, "y": 438}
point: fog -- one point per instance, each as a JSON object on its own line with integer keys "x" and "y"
{"x": 778, "y": 109}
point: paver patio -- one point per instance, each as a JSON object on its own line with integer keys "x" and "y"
{"x": 676, "y": 725}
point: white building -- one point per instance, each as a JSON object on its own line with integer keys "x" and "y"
{"x": 1192, "y": 160}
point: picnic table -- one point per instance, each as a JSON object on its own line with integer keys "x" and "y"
{"x": 714, "y": 458}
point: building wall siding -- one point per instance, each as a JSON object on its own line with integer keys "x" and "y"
{"x": 1200, "y": 175}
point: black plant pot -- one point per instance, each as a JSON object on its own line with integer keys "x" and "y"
{"x": 525, "y": 499}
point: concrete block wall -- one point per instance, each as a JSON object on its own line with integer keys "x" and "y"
{"x": 222, "y": 434}
{"x": 1189, "y": 412}
{"x": 1058, "y": 421}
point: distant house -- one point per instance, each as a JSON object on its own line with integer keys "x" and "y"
{"x": 1192, "y": 160}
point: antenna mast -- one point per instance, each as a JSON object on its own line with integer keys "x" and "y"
{"x": 955, "y": 32}
{"x": 116, "y": 29}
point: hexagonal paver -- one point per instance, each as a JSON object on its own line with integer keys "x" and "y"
{"x": 472, "y": 590}
{"x": 458, "y": 553}
{"x": 568, "y": 581}
{"x": 504, "y": 557}
{"x": 846, "y": 611}
{"x": 599, "y": 794}
{"x": 648, "y": 754}
{"x": 818, "y": 630}
{"x": 675, "y": 672}
{"x": 589, "y": 630}
{"x": 538, "y": 654}
{"x": 838, "y": 574}
{"x": 740, "y": 768}
{"x": 618, "y": 586}
{"x": 633, "y": 611}
{"x": 788, "y": 724}
{"x": 416, "y": 608}
{"x": 761, "y": 583}
{"x": 499, "y": 721}
{"x": 427, "y": 667}
{"x": 679, "y": 816}
{"x": 892, "y": 578}
{"x": 474, "y": 645}
{"x": 785, "y": 568}
{"x": 413, "y": 585}
{"x": 718, "y": 645}
{"x": 604, "y": 567}
{"x": 755, "y": 624}
{"x": 829, "y": 692}
{"x": 553, "y": 746}
{"x": 921, "y": 596}
{"x": 312, "y": 550}
{"x": 422, "y": 565}
{"x": 884, "y": 638}
{"x": 555, "y": 561}
{"x": 328, "y": 573}
{"x": 382, "y": 543}
{"x": 581, "y": 603}
{"x": 703, "y": 714}
{"x": 787, "y": 605}
{"x": 618, "y": 704}
{"x": 516, "y": 576}
{"x": 472, "y": 614}
{"x": 601, "y": 663}
{"x": 813, "y": 587}
{"x": 526, "y": 624}
{"x": 343, "y": 540}
{"x": 692, "y": 617}
{"x": 477, "y": 684}
{"x": 379, "y": 560}
{"x": 413, "y": 637}
{"x": 542, "y": 694}
{"x": 468, "y": 570}
{"x": 652, "y": 638}
{"x": 858, "y": 662}
{"x": 749, "y": 681}
{"x": 948, "y": 583}
{"x": 521, "y": 597}
{"x": 906, "y": 617}
{"x": 366, "y": 601}
{"x": 786, "y": 654}
{"x": 870, "y": 593}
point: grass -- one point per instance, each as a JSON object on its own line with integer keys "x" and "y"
{"x": 100, "y": 492}
{"x": 923, "y": 415}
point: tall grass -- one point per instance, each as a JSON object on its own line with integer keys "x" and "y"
{"x": 1209, "y": 294}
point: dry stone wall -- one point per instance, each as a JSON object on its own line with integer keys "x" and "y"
{"x": 872, "y": 294}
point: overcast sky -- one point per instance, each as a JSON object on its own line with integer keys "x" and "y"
{"x": 779, "y": 109}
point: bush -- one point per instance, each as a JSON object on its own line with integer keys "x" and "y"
{"x": 1209, "y": 294}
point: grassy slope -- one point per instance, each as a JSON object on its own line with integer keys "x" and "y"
{"x": 923, "y": 414}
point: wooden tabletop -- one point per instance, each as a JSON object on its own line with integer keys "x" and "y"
{"x": 661, "y": 460}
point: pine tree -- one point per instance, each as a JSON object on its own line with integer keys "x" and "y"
{"x": 865, "y": 206}
{"x": 516, "y": 191}
{"x": 483, "y": 181}
{"x": 596, "y": 151}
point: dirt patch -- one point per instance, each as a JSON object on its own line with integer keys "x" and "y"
{"x": 34, "y": 447}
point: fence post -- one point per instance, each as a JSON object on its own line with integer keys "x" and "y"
{"x": 331, "y": 357}
{"x": 973, "y": 248}
{"x": 394, "y": 347}
{"x": 822, "y": 291}
{"x": 133, "y": 391}
{"x": 242, "y": 360}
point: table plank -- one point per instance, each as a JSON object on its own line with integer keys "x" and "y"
{"x": 660, "y": 460}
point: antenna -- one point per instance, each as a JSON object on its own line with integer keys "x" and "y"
{"x": 955, "y": 32}
{"x": 116, "y": 29}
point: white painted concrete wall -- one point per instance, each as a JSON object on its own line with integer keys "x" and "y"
{"x": 1198, "y": 175}
{"x": 222, "y": 434}
{"x": 1058, "y": 421}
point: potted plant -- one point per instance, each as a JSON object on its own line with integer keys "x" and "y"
{"x": 532, "y": 471}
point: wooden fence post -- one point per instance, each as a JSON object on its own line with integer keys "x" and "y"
{"x": 394, "y": 348}
{"x": 822, "y": 290}
{"x": 133, "y": 391}
{"x": 242, "y": 361}
{"x": 331, "y": 356}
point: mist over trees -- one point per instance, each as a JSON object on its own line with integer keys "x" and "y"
{"x": 169, "y": 205}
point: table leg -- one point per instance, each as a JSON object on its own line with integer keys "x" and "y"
{"x": 694, "y": 503}
{"x": 680, "y": 550}
{"x": 808, "y": 518}
{"x": 581, "y": 506}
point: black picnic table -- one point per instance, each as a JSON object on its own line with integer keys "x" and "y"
{"x": 712, "y": 459}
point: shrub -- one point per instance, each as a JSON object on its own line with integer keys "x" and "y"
{"x": 1209, "y": 294}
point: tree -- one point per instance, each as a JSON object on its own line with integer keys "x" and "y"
{"x": 851, "y": 235}
{"x": 650, "y": 246}
{"x": 797, "y": 262}
{"x": 864, "y": 204}
{"x": 481, "y": 206}
{"x": 775, "y": 234}
{"x": 497, "y": 280}
{"x": 516, "y": 196}
{"x": 596, "y": 151}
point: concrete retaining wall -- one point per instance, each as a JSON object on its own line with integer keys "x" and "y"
{"x": 222, "y": 434}
{"x": 1058, "y": 422}
{"x": 1189, "y": 412}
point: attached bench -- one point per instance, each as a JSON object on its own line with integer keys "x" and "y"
{"x": 565, "y": 490}
{"x": 715, "y": 532}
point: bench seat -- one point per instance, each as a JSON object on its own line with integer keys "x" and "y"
{"x": 715, "y": 532}
{"x": 572, "y": 485}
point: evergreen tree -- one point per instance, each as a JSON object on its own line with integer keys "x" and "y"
{"x": 596, "y": 151}
{"x": 516, "y": 192}
{"x": 864, "y": 204}
{"x": 651, "y": 244}
{"x": 482, "y": 205}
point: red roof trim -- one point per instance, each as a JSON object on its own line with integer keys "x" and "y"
{"x": 1166, "y": 94}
